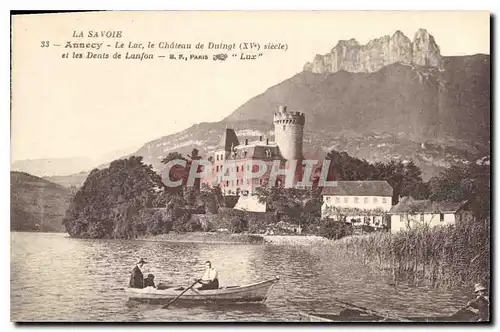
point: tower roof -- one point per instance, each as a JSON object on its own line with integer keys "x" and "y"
{"x": 228, "y": 139}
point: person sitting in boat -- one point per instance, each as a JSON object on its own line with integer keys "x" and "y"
{"x": 210, "y": 279}
{"x": 149, "y": 281}
{"x": 137, "y": 278}
{"x": 481, "y": 304}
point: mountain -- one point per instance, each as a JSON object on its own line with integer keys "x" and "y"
{"x": 350, "y": 56}
{"x": 56, "y": 167}
{"x": 36, "y": 204}
{"x": 390, "y": 99}
{"x": 53, "y": 166}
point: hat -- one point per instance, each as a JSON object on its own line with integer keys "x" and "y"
{"x": 142, "y": 261}
{"x": 479, "y": 287}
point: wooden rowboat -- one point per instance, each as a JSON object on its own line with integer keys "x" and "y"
{"x": 257, "y": 292}
{"x": 359, "y": 316}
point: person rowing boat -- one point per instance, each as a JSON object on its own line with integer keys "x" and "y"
{"x": 210, "y": 279}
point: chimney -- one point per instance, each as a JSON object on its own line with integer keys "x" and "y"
{"x": 281, "y": 108}
{"x": 246, "y": 141}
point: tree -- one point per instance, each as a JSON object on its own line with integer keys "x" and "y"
{"x": 404, "y": 177}
{"x": 300, "y": 206}
{"x": 177, "y": 172}
{"x": 111, "y": 199}
{"x": 459, "y": 183}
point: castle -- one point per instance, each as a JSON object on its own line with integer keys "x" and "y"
{"x": 288, "y": 133}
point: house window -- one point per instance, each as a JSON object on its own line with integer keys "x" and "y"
{"x": 441, "y": 217}
{"x": 227, "y": 183}
{"x": 384, "y": 200}
{"x": 356, "y": 200}
{"x": 346, "y": 199}
{"x": 366, "y": 200}
{"x": 327, "y": 198}
{"x": 245, "y": 153}
{"x": 337, "y": 199}
{"x": 422, "y": 217}
{"x": 221, "y": 157}
{"x": 217, "y": 157}
{"x": 375, "y": 200}
{"x": 260, "y": 181}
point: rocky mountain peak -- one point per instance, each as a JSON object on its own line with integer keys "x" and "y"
{"x": 351, "y": 56}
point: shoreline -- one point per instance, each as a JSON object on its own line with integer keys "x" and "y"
{"x": 228, "y": 238}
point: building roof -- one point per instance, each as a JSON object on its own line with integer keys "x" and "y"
{"x": 228, "y": 140}
{"x": 257, "y": 151}
{"x": 359, "y": 188}
{"x": 410, "y": 205}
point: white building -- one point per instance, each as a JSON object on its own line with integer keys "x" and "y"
{"x": 363, "y": 202}
{"x": 410, "y": 213}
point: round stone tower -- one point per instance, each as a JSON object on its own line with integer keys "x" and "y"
{"x": 289, "y": 132}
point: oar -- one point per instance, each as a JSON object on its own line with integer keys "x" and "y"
{"x": 168, "y": 304}
{"x": 373, "y": 312}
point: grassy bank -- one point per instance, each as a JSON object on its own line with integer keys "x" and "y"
{"x": 294, "y": 240}
{"x": 205, "y": 237}
{"x": 212, "y": 237}
{"x": 444, "y": 256}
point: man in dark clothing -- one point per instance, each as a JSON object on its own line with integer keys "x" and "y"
{"x": 481, "y": 304}
{"x": 137, "y": 278}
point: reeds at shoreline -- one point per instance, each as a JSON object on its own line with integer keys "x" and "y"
{"x": 448, "y": 256}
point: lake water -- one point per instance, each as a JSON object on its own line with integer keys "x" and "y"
{"x": 57, "y": 278}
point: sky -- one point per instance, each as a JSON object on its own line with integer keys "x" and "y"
{"x": 89, "y": 107}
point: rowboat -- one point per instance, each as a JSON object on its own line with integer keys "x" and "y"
{"x": 350, "y": 315}
{"x": 257, "y": 292}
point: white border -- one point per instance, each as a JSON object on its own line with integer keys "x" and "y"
{"x": 492, "y": 6}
